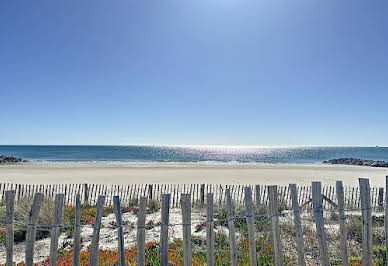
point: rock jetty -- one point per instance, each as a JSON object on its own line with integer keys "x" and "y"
{"x": 9, "y": 159}
{"x": 354, "y": 161}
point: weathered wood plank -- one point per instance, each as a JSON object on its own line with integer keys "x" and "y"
{"x": 274, "y": 216}
{"x": 120, "y": 236}
{"x": 250, "y": 219}
{"x": 77, "y": 231}
{"x": 342, "y": 223}
{"x": 186, "y": 221}
{"x": 31, "y": 228}
{"x": 164, "y": 229}
{"x": 257, "y": 196}
{"x": 210, "y": 230}
{"x": 386, "y": 217}
{"x": 93, "y": 259}
{"x": 318, "y": 216}
{"x": 55, "y": 229}
{"x": 381, "y": 198}
{"x": 297, "y": 225}
{"x": 141, "y": 219}
{"x": 9, "y": 219}
{"x": 366, "y": 216}
{"x": 232, "y": 234}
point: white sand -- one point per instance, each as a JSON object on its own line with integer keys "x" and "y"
{"x": 109, "y": 237}
{"x": 280, "y": 174}
{"x": 108, "y": 234}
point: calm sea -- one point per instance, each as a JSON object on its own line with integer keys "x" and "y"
{"x": 188, "y": 154}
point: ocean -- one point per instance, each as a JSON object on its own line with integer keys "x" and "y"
{"x": 188, "y": 154}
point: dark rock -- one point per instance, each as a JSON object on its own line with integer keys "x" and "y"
{"x": 9, "y": 159}
{"x": 354, "y": 161}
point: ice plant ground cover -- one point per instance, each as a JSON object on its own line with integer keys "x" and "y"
{"x": 108, "y": 236}
{"x": 175, "y": 255}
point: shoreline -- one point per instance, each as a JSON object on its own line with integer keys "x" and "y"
{"x": 186, "y": 173}
{"x": 136, "y": 164}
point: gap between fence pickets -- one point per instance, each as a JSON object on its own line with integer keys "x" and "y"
{"x": 186, "y": 202}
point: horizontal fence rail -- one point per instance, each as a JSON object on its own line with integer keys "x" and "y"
{"x": 102, "y": 195}
{"x": 128, "y": 193}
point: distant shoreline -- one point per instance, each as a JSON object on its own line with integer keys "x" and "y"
{"x": 166, "y": 164}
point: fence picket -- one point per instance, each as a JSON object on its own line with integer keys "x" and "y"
{"x": 232, "y": 236}
{"x": 381, "y": 198}
{"x": 164, "y": 230}
{"x": 386, "y": 217}
{"x": 96, "y": 232}
{"x": 58, "y": 209}
{"x": 141, "y": 218}
{"x": 274, "y": 216}
{"x": 120, "y": 238}
{"x": 318, "y": 216}
{"x": 251, "y": 225}
{"x": 342, "y": 223}
{"x": 297, "y": 225}
{"x": 9, "y": 216}
{"x": 366, "y": 216}
{"x": 31, "y": 228}
{"x": 77, "y": 231}
{"x": 210, "y": 230}
{"x": 257, "y": 195}
{"x": 186, "y": 221}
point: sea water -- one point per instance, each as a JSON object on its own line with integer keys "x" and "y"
{"x": 188, "y": 154}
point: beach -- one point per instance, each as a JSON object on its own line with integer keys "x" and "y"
{"x": 188, "y": 173}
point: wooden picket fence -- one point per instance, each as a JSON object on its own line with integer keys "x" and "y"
{"x": 89, "y": 193}
{"x": 186, "y": 200}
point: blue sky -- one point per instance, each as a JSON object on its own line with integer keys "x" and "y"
{"x": 232, "y": 72}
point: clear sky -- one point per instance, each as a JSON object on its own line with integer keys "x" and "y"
{"x": 249, "y": 72}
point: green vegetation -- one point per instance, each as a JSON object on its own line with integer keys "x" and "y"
{"x": 22, "y": 209}
{"x": 222, "y": 252}
{"x": 153, "y": 206}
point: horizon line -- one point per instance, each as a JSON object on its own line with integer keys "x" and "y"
{"x": 209, "y": 145}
